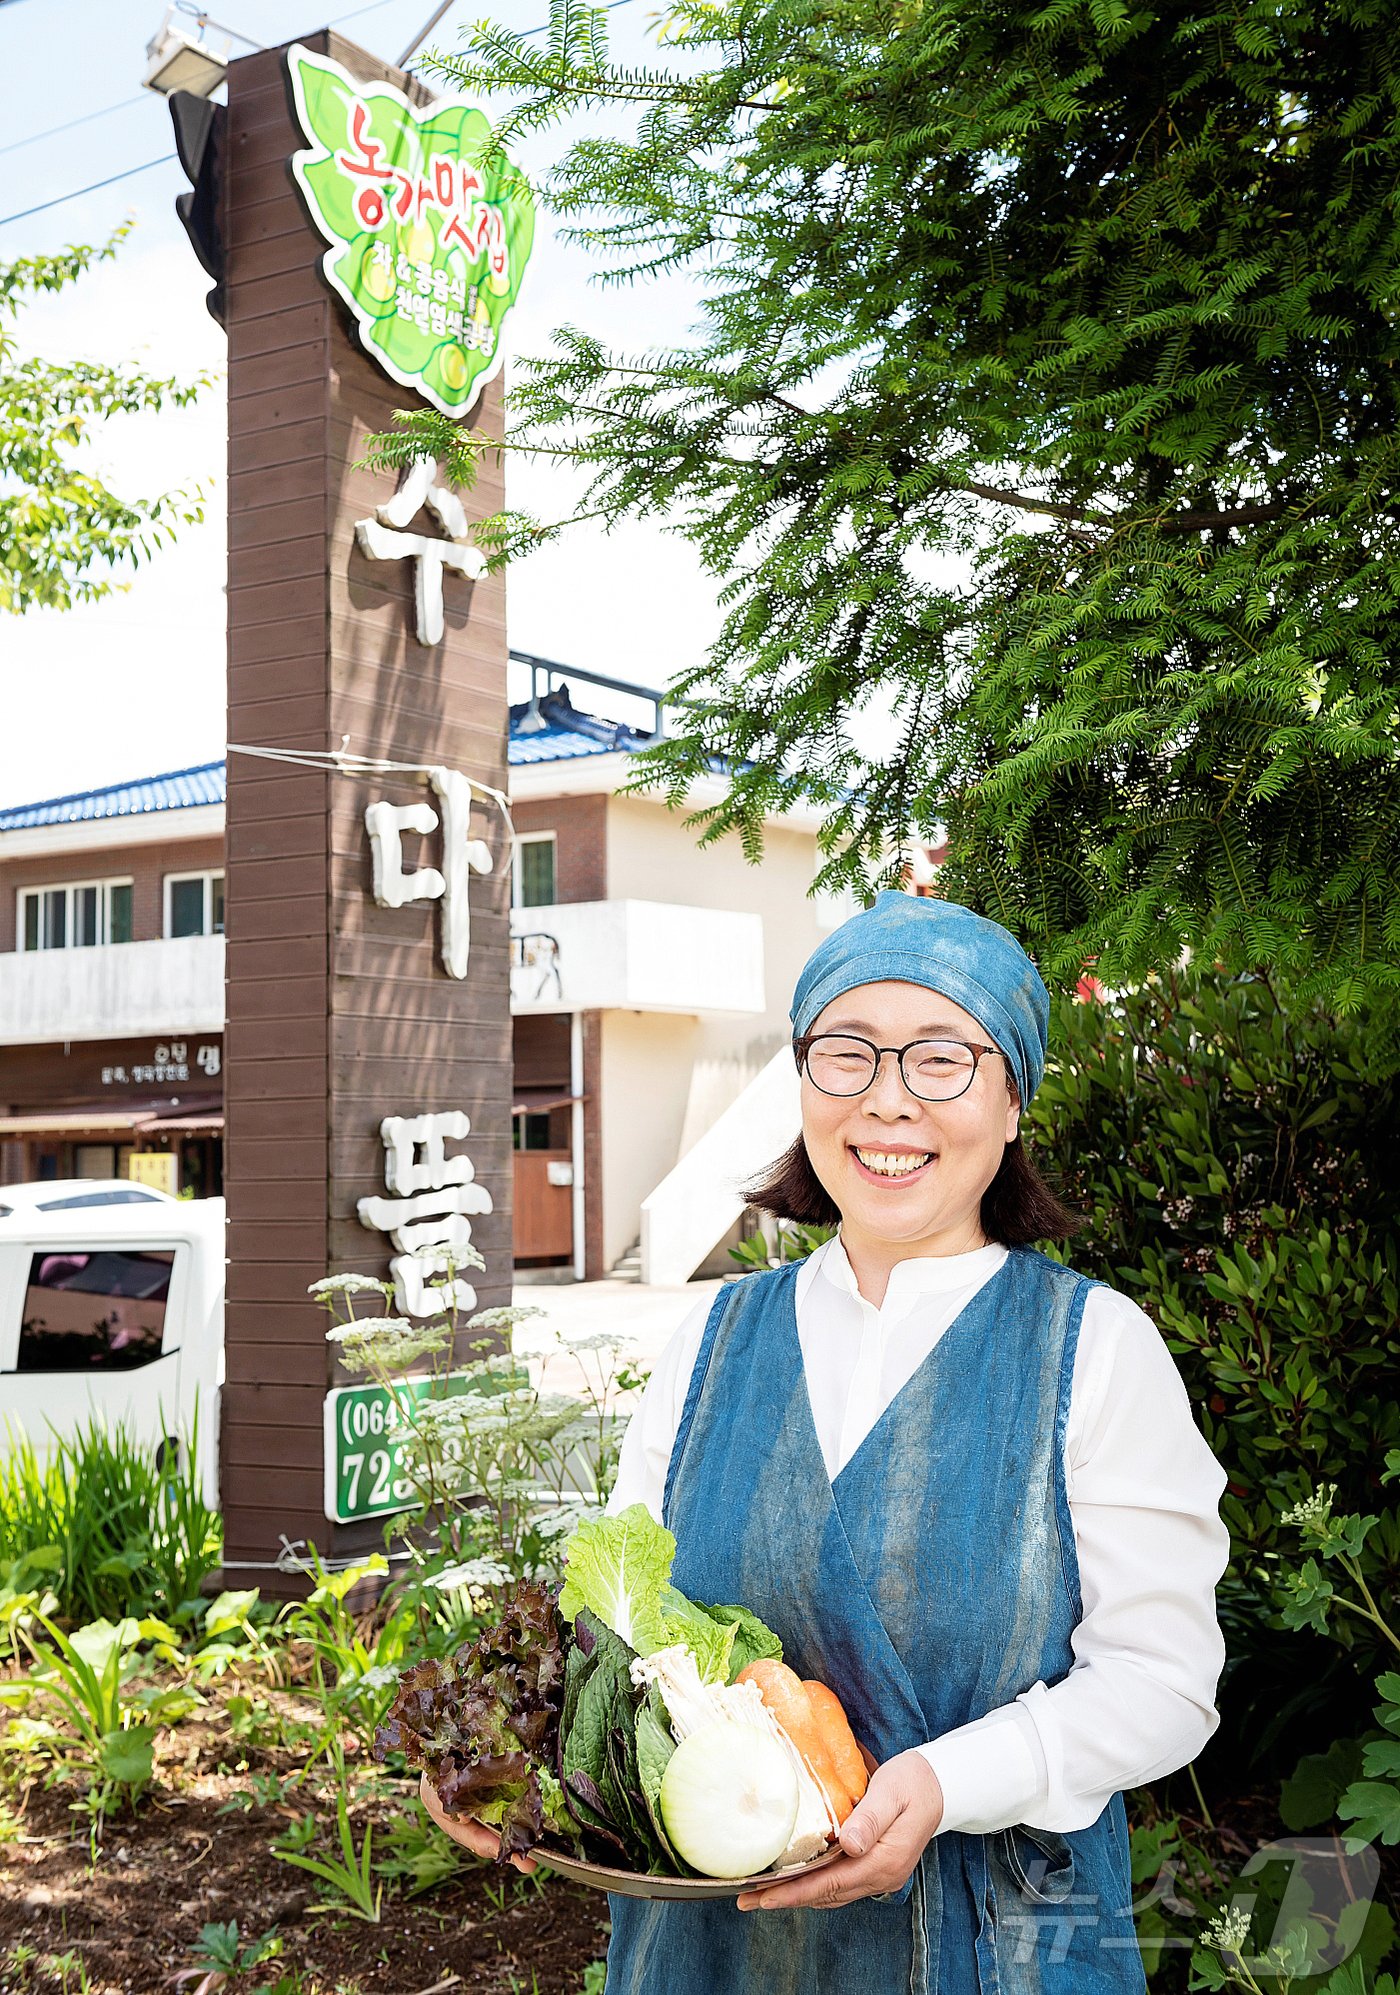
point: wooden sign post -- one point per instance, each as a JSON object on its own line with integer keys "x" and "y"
{"x": 357, "y": 617}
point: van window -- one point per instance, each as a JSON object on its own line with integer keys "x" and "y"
{"x": 99, "y": 1311}
{"x": 116, "y": 1197}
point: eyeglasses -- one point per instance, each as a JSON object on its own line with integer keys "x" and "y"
{"x": 839, "y": 1063}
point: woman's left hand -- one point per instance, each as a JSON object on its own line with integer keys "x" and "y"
{"x": 882, "y": 1840}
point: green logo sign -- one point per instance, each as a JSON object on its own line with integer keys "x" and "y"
{"x": 363, "y": 1446}
{"x": 428, "y": 245}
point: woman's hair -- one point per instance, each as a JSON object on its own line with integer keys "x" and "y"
{"x": 1018, "y": 1207}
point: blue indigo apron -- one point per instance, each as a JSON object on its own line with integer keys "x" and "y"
{"x": 934, "y": 1579}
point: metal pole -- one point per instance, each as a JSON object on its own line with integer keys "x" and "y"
{"x": 576, "y": 1206}
{"x": 424, "y": 32}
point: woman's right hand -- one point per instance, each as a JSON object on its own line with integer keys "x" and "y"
{"x": 471, "y": 1834}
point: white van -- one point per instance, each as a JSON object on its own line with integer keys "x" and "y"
{"x": 114, "y": 1312}
{"x": 67, "y": 1194}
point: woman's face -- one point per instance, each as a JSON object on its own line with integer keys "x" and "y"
{"x": 945, "y": 1153}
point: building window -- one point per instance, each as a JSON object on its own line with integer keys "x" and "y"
{"x": 102, "y": 1311}
{"x": 532, "y": 876}
{"x": 531, "y": 1132}
{"x": 76, "y": 916}
{"x": 194, "y": 904}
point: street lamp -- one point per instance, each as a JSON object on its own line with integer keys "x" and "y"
{"x": 178, "y": 60}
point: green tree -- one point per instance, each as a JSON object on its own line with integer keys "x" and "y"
{"x": 1043, "y": 386}
{"x": 61, "y": 527}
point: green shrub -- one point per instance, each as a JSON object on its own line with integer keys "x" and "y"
{"x": 131, "y": 1532}
{"x": 1231, "y": 1156}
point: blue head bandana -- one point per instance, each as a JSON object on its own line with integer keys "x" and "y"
{"x": 976, "y": 963}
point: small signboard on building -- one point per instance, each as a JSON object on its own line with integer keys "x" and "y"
{"x": 158, "y": 1168}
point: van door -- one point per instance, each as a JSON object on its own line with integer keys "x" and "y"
{"x": 90, "y": 1330}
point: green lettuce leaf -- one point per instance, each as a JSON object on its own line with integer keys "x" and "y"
{"x": 554, "y": 1810}
{"x": 752, "y": 1640}
{"x": 598, "y": 1744}
{"x": 655, "y": 1746}
{"x": 708, "y": 1638}
{"x": 617, "y": 1567}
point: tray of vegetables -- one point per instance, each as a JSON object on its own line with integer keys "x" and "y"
{"x": 646, "y": 1743}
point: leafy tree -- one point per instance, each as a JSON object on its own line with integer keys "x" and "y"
{"x": 1044, "y": 387}
{"x": 60, "y": 525}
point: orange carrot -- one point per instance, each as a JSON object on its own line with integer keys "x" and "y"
{"x": 830, "y": 1715}
{"x": 785, "y": 1694}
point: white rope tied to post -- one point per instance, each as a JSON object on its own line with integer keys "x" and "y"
{"x": 343, "y": 761}
{"x": 385, "y": 823}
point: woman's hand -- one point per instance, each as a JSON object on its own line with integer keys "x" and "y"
{"x": 882, "y": 1840}
{"x": 472, "y": 1835}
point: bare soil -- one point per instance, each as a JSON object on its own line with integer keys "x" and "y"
{"x": 133, "y": 1916}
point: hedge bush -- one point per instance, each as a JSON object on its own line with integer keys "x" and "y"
{"x": 1232, "y": 1155}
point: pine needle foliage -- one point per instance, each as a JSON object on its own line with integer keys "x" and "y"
{"x": 1044, "y": 386}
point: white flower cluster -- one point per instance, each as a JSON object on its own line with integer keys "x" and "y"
{"x": 525, "y": 1416}
{"x": 452, "y": 1260}
{"x": 1228, "y": 1931}
{"x": 473, "y": 1574}
{"x": 601, "y": 1340}
{"x": 388, "y": 1343}
{"x": 502, "y": 1319}
{"x": 349, "y": 1285}
{"x": 1313, "y": 1512}
{"x": 562, "y": 1519}
{"x": 367, "y": 1326}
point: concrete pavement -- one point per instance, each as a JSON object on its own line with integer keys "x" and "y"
{"x": 641, "y": 1317}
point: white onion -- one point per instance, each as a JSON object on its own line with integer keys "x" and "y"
{"x": 692, "y": 1703}
{"x": 729, "y": 1799}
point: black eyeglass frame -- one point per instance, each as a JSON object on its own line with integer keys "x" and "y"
{"x": 803, "y": 1046}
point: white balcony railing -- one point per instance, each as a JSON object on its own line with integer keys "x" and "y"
{"x": 119, "y": 991}
{"x": 635, "y": 956}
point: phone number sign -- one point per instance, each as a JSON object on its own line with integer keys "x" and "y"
{"x": 364, "y": 1449}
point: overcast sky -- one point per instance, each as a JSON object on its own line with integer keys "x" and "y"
{"x": 134, "y": 685}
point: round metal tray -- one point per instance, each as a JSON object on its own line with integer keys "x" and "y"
{"x": 640, "y": 1884}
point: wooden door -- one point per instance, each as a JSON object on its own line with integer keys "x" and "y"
{"x": 544, "y": 1212}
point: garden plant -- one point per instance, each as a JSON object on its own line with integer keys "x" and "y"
{"x": 256, "y": 1716}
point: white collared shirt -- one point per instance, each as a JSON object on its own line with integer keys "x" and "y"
{"x": 1144, "y": 1496}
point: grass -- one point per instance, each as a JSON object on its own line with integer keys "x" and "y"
{"x": 109, "y": 1528}
{"x": 350, "y": 1877}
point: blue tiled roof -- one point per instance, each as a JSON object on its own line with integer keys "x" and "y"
{"x": 556, "y": 731}
{"x": 180, "y": 790}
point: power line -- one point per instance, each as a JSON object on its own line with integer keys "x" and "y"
{"x": 86, "y": 119}
{"x": 89, "y": 117}
{"x": 373, "y": 8}
{"x": 58, "y": 200}
{"x": 110, "y": 181}
{"x": 220, "y": 27}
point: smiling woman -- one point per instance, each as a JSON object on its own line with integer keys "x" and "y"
{"x": 964, "y": 1485}
{"x": 976, "y": 1106}
{"x": 960, "y": 1483}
